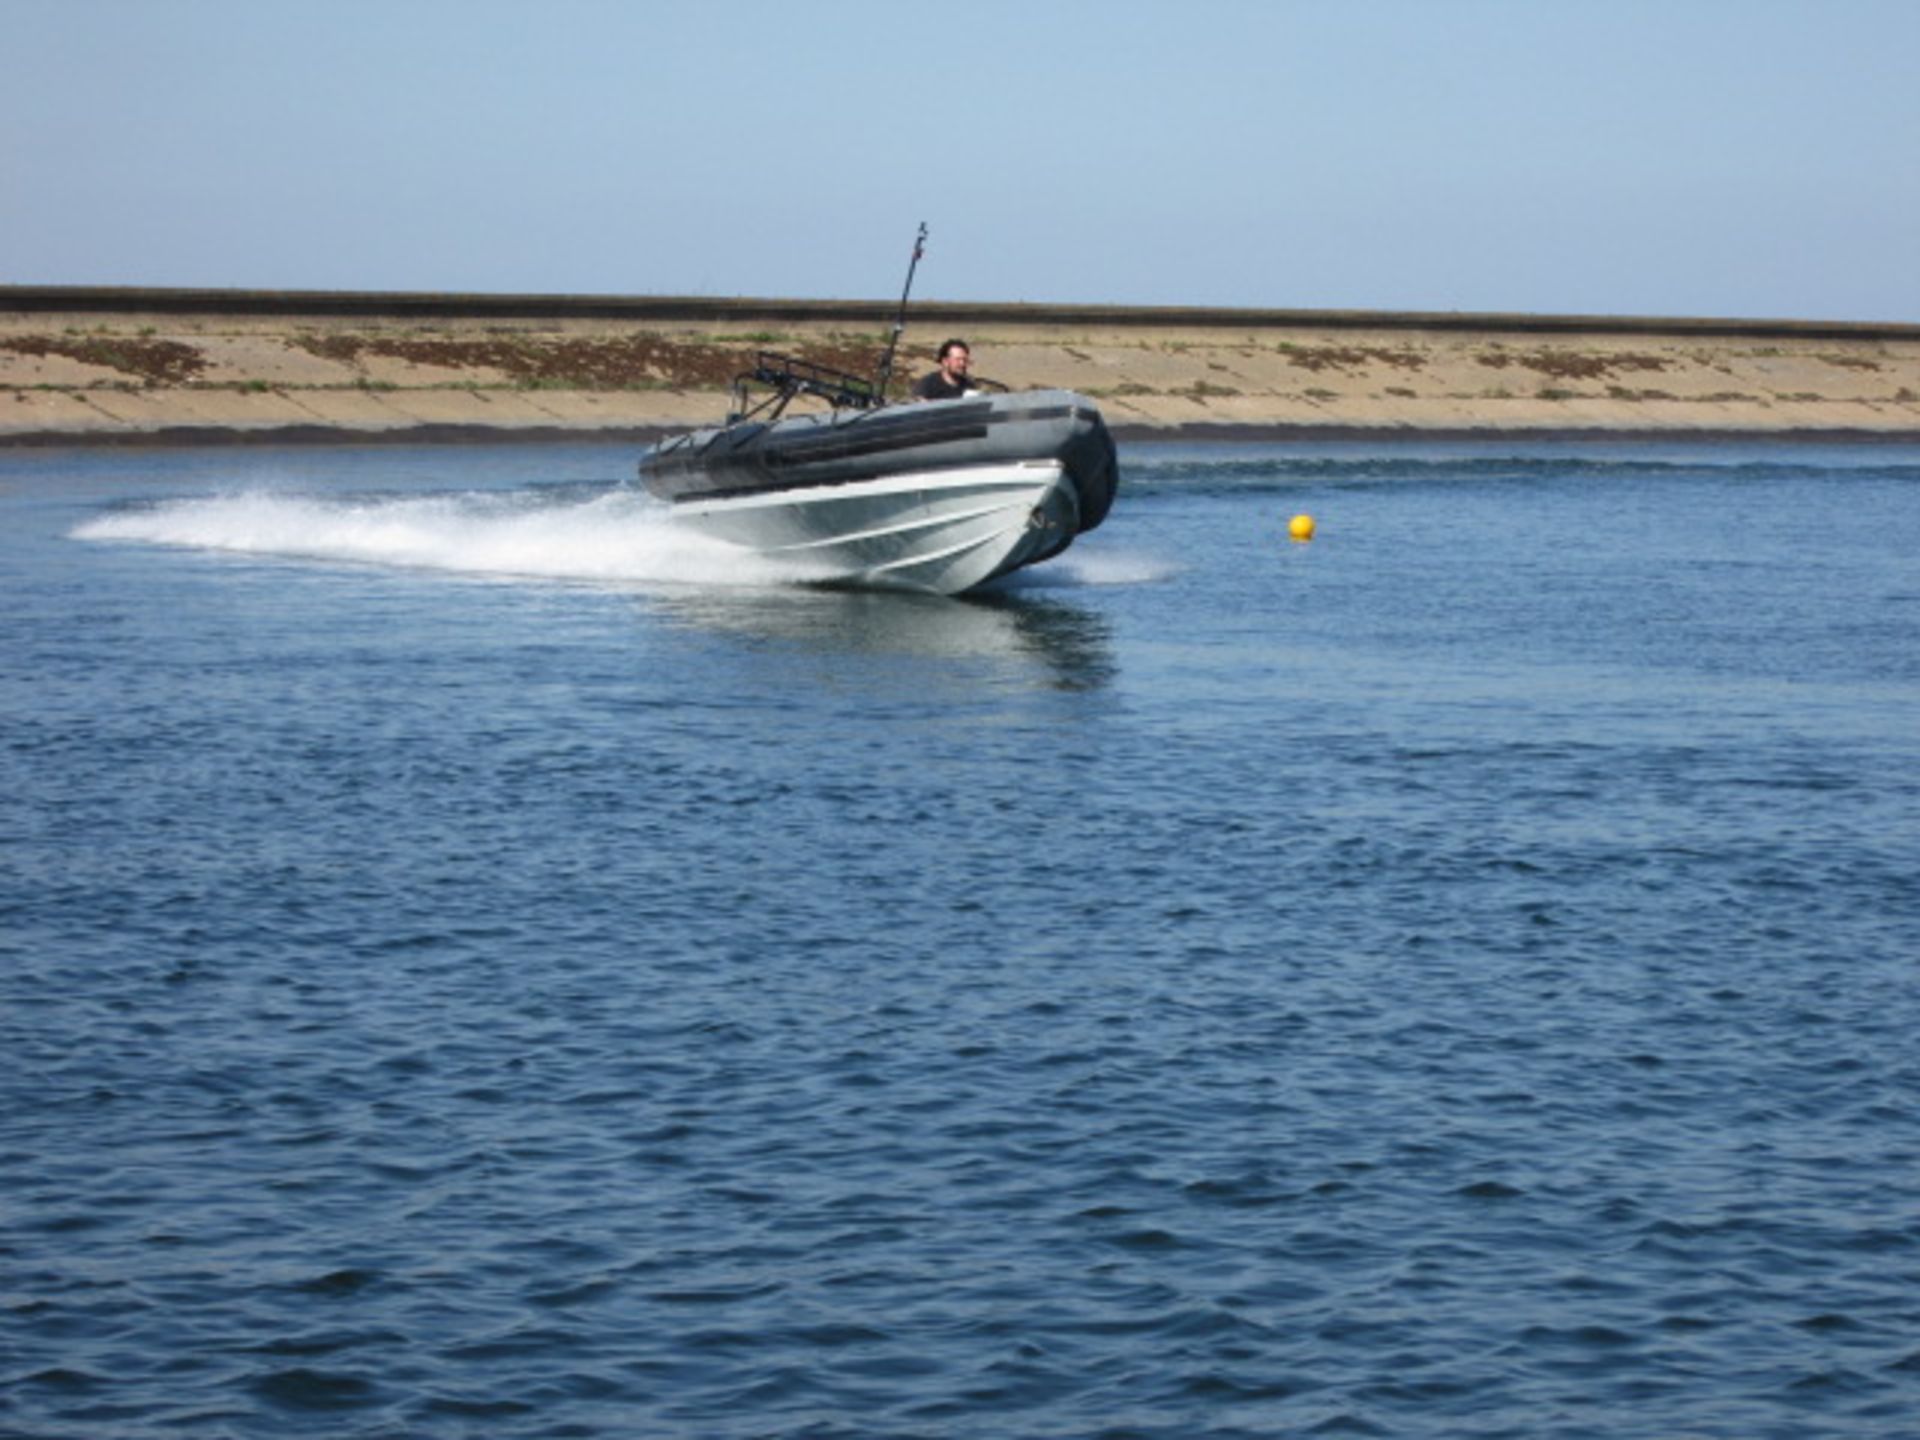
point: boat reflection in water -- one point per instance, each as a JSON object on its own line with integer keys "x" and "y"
{"x": 1053, "y": 641}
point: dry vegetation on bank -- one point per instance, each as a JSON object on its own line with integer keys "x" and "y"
{"x": 132, "y": 375}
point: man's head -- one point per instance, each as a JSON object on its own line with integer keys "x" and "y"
{"x": 954, "y": 359}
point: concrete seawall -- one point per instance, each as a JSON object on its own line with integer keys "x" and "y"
{"x": 152, "y": 366}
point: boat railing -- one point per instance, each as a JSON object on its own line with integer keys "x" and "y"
{"x": 789, "y": 377}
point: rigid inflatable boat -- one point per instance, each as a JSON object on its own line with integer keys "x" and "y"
{"x": 937, "y": 495}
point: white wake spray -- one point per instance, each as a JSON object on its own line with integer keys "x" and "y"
{"x": 1089, "y": 564}
{"x": 613, "y": 536}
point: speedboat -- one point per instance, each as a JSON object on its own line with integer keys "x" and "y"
{"x": 935, "y": 495}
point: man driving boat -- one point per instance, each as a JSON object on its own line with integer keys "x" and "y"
{"x": 950, "y": 381}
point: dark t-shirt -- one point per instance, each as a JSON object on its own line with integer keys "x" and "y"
{"x": 937, "y": 387}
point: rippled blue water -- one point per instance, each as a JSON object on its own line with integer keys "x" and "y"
{"x": 470, "y": 966}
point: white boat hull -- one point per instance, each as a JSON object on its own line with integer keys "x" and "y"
{"x": 942, "y": 531}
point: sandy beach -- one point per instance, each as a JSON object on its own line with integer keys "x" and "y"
{"x": 130, "y": 366}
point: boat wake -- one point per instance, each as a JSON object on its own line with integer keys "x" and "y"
{"x": 617, "y": 537}
{"x": 607, "y": 536}
{"x": 1082, "y": 568}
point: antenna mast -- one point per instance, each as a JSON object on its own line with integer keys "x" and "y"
{"x": 900, "y": 320}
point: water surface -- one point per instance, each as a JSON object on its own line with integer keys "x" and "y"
{"x": 474, "y": 960}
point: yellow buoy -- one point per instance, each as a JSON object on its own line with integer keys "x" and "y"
{"x": 1301, "y": 527}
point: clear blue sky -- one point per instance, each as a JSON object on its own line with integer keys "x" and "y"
{"x": 1692, "y": 157}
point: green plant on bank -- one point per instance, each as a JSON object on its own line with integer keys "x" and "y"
{"x": 584, "y": 387}
{"x": 482, "y": 388}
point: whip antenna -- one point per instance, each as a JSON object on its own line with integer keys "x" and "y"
{"x": 900, "y": 320}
